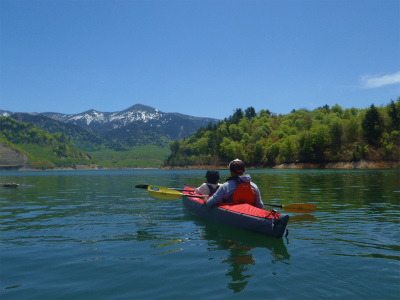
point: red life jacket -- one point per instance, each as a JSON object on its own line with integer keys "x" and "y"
{"x": 244, "y": 194}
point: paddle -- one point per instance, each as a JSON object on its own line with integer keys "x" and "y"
{"x": 173, "y": 194}
{"x": 163, "y": 192}
{"x": 145, "y": 186}
{"x": 303, "y": 208}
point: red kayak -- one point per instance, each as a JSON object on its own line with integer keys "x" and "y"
{"x": 244, "y": 216}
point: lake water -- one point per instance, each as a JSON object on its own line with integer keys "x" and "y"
{"x": 92, "y": 235}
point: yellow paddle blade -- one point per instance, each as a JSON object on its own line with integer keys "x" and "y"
{"x": 163, "y": 193}
{"x": 303, "y": 208}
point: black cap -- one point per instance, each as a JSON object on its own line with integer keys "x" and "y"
{"x": 237, "y": 166}
{"x": 212, "y": 176}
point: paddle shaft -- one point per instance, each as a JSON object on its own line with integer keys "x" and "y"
{"x": 171, "y": 194}
{"x": 194, "y": 196}
{"x": 145, "y": 186}
{"x": 273, "y": 205}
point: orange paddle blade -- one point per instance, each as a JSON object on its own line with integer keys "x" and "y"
{"x": 303, "y": 208}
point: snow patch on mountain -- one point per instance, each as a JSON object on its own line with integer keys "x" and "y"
{"x": 139, "y": 116}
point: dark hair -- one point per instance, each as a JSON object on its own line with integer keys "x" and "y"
{"x": 237, "y": 166}
{"x": 212, "y": 176}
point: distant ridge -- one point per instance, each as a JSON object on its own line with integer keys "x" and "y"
{"x": 137, "y": 125}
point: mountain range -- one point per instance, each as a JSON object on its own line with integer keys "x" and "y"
{"x": 136, "y": 126}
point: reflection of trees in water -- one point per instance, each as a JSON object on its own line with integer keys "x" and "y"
{"x": 238, "y": 245}
{"x": 302, "y": 219}
{"x": 239, "y": 260}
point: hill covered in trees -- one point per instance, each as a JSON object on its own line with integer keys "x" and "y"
{"x": 42, "y": 150}
{"x": 138, "y": 137}
{"x": 81, "y": 137}
{"x": 326, "y": 134}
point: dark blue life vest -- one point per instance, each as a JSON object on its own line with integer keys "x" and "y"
{"x": 212, "y": 189}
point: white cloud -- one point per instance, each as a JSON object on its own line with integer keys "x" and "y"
{"x": 370, "y": 82}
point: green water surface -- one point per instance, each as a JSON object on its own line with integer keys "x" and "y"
{"x": 92, "y": 235}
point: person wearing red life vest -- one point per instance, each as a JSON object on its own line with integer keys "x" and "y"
{"x": 237, "y": 189}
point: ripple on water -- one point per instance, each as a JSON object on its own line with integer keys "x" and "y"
{"x": 96, "y": 237}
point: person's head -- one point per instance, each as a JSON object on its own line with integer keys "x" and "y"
{"x": 212, "y": 176}
{"x": 237, "y": 167}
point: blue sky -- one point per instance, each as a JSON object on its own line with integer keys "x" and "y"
{"x": 201, "y": 58}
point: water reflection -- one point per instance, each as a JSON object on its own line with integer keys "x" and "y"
{"x": 95, "y": 221}
{"x": 168, "y": 244}
{"x": 237, "y": 248}
{"x": 330, "y": 189}
{"x": 302, "y": 219}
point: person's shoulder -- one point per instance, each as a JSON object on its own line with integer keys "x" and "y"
{"x": 254, "y": 185}
{"x": 223, "y": 185}
{"x": 214, "y": 184}
{"x": 245, "y": 178}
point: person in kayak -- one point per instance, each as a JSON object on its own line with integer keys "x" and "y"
{"x": 211, "y": 186}
{"x": 237, "y": 189}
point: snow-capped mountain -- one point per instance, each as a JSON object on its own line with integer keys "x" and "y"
{"x": 174, "y": 124}
{"x": 128, "y": 127}
{"x": 113, "y": 120}
{"x": 136, "y": 113}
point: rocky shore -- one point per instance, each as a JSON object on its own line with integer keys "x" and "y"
{"x": 362, "y": 164}
{"x": 10, "y": 159}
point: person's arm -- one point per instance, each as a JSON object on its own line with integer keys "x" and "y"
{"x": 257, "y": 200}
{"x": 216, "y": 198}
{"x": 202, "y": 190}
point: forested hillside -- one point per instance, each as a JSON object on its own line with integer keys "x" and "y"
{"x": 138, "y": 125}
{"x": 81, "y": 137}
{"x": 43, "y": 149}
{"x": 326, "y": 134}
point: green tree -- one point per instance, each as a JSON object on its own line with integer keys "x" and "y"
{"x": 201, "y": 145}
{"x": 265, "y": 113}
{"x": 321, "y": 141}
{"x": 372, "y": 125}
{"x": 288, "y": 149}
{"x": 231, "y": 149}
{"x": 306, "y": 148}
{"x": 272, "y": 153}
{"x": 174, "y": 147}
{"x": 237, "y": 116}
{"x": 259, "y": 151}
{"x": 337, "y": 109}
{"x": 352, "y": 129}
{"x": 259, "y": 134}
{"x": 394, "y": 114}
{"x": 236, "y": 132}
{"x": 223, "y": 130}
{"x": 250, "y": 112}
{"x": 336, "y": 133}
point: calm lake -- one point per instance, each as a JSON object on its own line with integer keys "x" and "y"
{"x": 92, "y": 235}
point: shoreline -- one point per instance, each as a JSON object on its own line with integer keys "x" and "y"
{"x": 360, "y": 165}
{"x": 345, "y": 165}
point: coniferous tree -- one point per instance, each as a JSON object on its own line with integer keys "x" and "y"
{"x": 394, "y": 114}
{"x": 250, "y": 112}
{"x": 372, "y": 125}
